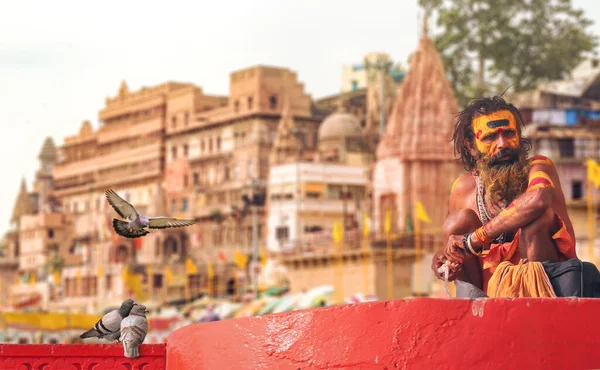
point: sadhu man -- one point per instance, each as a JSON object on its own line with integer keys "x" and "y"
{"x": 508, "y": 212}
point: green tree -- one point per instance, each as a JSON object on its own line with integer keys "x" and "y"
{"x": 488, "y": 45}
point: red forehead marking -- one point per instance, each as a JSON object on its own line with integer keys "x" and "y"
{"x": 500, "y": 130}
{"x": 478, "y": 134}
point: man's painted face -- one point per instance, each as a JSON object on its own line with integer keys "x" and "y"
{"x": 494, "y": 128}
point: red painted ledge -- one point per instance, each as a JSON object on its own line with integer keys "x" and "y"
{"x": 79, "y": 356}
{"x": 404, "y": 334}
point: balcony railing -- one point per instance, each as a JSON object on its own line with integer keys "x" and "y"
{"x": 322, "y": 244}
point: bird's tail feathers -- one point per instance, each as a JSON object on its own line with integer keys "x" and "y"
{"x": 131, "y": 348}
{"x": 89, "y": 334}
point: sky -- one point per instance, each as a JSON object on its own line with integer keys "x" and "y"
{"x": 60, "y": 59}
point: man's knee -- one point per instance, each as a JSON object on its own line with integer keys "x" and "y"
{"x": 461, "y": 221}
{"x": 546, "y": 221}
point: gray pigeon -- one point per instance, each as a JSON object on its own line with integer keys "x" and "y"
{"x": 136, "y": 224}
{"x": 109, "y": 326}
{"x": 133, "y": 330}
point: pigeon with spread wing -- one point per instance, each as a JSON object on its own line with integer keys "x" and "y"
{"x": 136, "y": 224}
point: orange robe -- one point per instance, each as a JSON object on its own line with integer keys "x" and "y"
{"x": 498, "y": 253}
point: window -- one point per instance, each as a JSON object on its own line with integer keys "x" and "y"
{"x": 51, "y": 233}
{"x": 196, "y": 178}
{"x": 273, "y": 101}
{"x": 282, "y": 233}
{"x": 202, "y": 146}
{"x": 226, "y": 173}
{"x": 173, "y": 206}
{"x": 566, "y": 148}
{"x": 185, "y": 150}
{"x": 210, "y": 145}
{"x": 186, "y": 118}
{"x": 185, "y": 181}
{"x": 174, "y": 121}
{"x": 184, "y": 205}
{"x": 174, "y": 152}
{"x": 236, "y": 106}
{"x": 218, "y": 143}
{"x": 249, "y": 103}
{"x": 354, "y": 85}
{"x": 576, "y": 190}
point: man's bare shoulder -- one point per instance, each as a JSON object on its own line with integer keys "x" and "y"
{"x": 463, "y": 185}
{"x": 541, "y": 160}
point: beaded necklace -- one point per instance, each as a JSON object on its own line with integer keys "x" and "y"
{"x": 483, "y": 214}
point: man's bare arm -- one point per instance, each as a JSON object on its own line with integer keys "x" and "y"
{"x": 526, "y": 208}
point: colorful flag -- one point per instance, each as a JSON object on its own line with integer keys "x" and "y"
{"x": 240, "y": 259}
{"x": 222, "y": 256}
{"x": 387, "y": 226}
{"x": 168, "y": 275}
{"x": 593, "y": 172}
{"x": 32, "y": 278}
{"x": 338, "y": 231}
{"x": 99, "y": 272}
{"x": 210, "y": 271}
{"x": 137, "y": 243}
{"x": 133, "y": 282}
{"x": 421, "y": 213}
{"x": 366, "y": 225}
{"x": 263, "y": 256}
{"x": 190, "y": 267}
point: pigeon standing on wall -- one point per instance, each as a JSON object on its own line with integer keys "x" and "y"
{"x": 109, "y": 326}
{"x": 136, "y": 224}
{"x": 133, "y": 330}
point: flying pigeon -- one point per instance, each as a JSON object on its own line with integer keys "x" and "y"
{"x": 133, "y": 330}
{"x": 136, "y": 225}
{"x": 109, "y": 326}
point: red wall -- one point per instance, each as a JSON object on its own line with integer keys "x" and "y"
{"x": 404, "y": 334}
{"x": 79, "y": 356}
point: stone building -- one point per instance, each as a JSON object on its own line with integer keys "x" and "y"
{"x": 414, "y": 162}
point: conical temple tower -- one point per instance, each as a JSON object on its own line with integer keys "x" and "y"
{"x": 415, "y": 159}
{"x": 22, "y": 204}
{"x": 285, "y": 146}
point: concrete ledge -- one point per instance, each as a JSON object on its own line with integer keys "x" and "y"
{"x": 79, "y": 356}
{"x": 412, "y": 334}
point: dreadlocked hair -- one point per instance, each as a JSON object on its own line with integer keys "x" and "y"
{"x": 463, "y": 130}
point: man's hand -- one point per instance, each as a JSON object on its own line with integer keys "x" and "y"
{"x": 454, "y": 251}
{"x": 438, "y": 260}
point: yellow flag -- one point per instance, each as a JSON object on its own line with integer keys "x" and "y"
{"x": 168, "y": 275}
{"x": 263, "y": 256}
{"x": 387, "y": 226}
{"x": 338, "y": 232}
{"x": 190, "y": 267}
{"x": 32, "y": 279}
{"x": 240, "y": 259}
{"x": 421, "y": 213}
{"x": 210, "y": 270}
{"x": 366, "y": 226}
{"x": 100, "y": 272}
{"x": 56, "y": 276}
{"x": 133, "y": 282}
{"x": 593, "y": 172}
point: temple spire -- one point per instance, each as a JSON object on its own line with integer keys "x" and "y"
{"x": 22, "y": 203}
{"x": 426, "y": 24}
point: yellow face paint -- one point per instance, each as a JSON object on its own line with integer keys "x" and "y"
{"x": 491, "y": 124}
{"x": 539, "y": 180}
